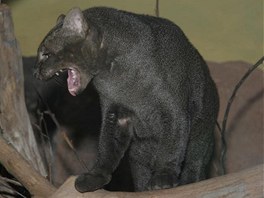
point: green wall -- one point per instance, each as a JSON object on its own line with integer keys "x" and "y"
{"x": 221, "y": 30}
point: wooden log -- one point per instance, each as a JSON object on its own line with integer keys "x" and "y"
{"x": 14, "y": 119}
{"x": 37, "y": 185}
{"x": 247, "y": 183}
{"x": 16, "y": 128}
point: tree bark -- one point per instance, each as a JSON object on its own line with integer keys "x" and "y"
{"x": 36, "y": 184}
{"x": 247, "y": 183}
{"x": 14, "y": 119}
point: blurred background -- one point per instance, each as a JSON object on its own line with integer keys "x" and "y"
{"x": 221, "y": 30}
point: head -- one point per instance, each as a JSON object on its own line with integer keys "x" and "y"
{"x": 71, "y": 46}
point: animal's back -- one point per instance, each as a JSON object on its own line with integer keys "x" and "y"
{"x": 162, "y": 40}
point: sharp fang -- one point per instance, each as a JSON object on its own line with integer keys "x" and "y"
{"x": 57, "y": 73}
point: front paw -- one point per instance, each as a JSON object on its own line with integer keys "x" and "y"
{"x": 91, "y": 182}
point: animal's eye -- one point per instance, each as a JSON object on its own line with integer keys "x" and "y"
{"x": 44, "y": 56}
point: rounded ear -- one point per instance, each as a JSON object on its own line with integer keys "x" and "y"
{"x": 75, "y": 23}
{"x": 60, "y": 19}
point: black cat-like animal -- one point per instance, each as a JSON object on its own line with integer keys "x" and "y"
{"x": 159, "y": 104}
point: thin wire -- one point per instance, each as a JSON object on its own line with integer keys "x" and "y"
{"x": 230, "y": 101}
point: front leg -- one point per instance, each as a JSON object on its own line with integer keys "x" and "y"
{"x": 113, "y": 142}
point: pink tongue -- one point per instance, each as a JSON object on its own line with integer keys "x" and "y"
{"x": 73, "y": 81}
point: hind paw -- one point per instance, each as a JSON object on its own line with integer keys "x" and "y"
{"x": 163, "y": 181}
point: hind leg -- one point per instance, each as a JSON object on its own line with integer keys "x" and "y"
{"x": 141, "y": 176}
{"x": 145, "y": 179}
{"x": 163, "y": 179}
{"x": 199, "y": 152}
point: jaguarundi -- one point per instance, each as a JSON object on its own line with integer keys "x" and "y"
{"x": 158, "y": 102}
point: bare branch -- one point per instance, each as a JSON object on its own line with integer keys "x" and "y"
{"x": 157, "y": 8}
{"x": 228, "y": 107}
{"x": 247, "y": 183}
{"x": 23, "y": 172}
{"x": 14, "y": 119}
{"x": 11, "y": 181}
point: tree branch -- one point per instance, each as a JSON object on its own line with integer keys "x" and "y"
{"x": 14, "y": 119}
{"x": 36, "y": 184}
{"x": 157, "y": 8}
{"x": 247, "y": 183}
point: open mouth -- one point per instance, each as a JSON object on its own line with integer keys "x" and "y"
{"x": 73, "y": 79}
{"x": 76, "y": 80}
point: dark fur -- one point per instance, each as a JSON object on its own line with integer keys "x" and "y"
{"x": 159, "y": 103}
